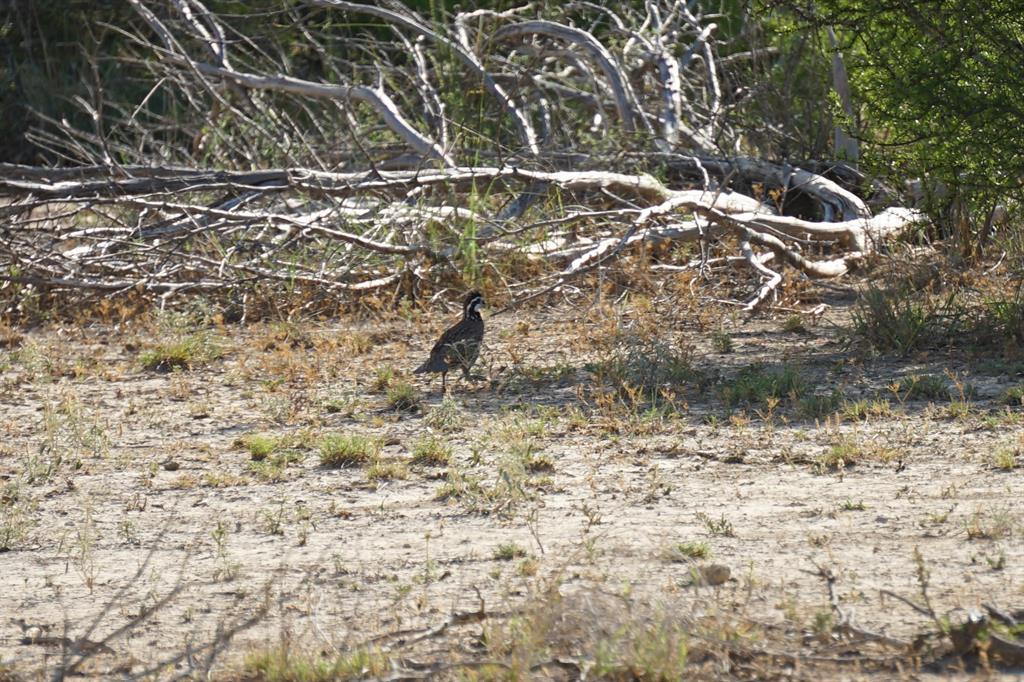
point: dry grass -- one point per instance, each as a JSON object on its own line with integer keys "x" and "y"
{"x": 565, "y": 513}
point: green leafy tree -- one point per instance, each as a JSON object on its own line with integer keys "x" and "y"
{"x": 942, "y": 87}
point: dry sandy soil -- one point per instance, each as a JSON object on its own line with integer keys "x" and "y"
{"x": 143, "y": 540}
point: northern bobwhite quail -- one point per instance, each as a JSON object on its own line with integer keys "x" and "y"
{"x": 460, "y": 345}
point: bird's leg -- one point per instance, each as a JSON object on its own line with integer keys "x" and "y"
{"x": 444, "y": 384}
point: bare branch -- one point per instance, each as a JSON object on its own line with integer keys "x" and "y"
{"x": 520, "y": 120}
{"x": 625, "y": 99}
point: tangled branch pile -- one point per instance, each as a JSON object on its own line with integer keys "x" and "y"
{"x": 392, "y": 151}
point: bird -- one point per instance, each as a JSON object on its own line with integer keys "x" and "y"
{"x": 459, "y": 346}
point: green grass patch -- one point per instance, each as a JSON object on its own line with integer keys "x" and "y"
{"x": 990, "y": 524}
{"x": 1005, "y": 458}
{"x": 259, "y": 445}
{"x": 387, "y": 471}
{"x": 271, "y": 469}
{"x": 403, "y": 397}
{"x": 794, "y": 324}
{"x": 689, "y": 550}
{"x": 922, "y": 387}
{"x": 382, "y": 378}
{"x": 819, "y": 406}
{"x": 645, "y": 364}
{"x": 348, "y": 450}
{"x": 183, "y": 352}
{"x": 1013, "y": 396}
{"x": 508, "y": 551}
{"x": 721, "y": 341}
{"x": 446, "y": 416}
{"x": 848, "y": 451}
{"x": 431, "y": 451}
{"x": 757, "y": 384}
{"x": 863, "y": 409}
{"x": 720, "y": 526}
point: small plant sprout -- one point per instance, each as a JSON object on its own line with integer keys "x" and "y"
{"x": 720, "y": 526}
{"x": 446, "y": 416}
{"x": 689, "y": 550}
{"x": 386, "y": 471}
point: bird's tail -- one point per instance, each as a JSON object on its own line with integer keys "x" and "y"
{"x": 433, "y": 364}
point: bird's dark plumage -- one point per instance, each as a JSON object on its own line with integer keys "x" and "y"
{"x": 459, "y": 346}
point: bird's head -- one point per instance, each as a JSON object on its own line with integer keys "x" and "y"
{"x": 473, "y": 303}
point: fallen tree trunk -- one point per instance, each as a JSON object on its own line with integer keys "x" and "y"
{"x": 414, "y": 193}
{"x": 258, "y": 231}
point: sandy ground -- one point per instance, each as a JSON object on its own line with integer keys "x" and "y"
{"x": 134, "y": 506}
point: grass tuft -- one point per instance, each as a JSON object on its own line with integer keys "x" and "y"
{"x": 861, "y": 410}
{"x": 508, "y": 551}
{"x": 690, "y": 550}
{"x": 383, "y": 377}
{"x": 446, "y": 416}
{"x": 282, "y": 664}
{"x": 403, "y": 397}
{"x": 342, "y": 450}
{"x": 794, "y": 324}
{"x": 993, "y": 524}
{"x": 182, "y": 352}
{"x": 648, "y": 364}
{"x": 922, "y": 387}
{"x": 720, "y": 526}
{"x": 387, "y": 471}
{"x": 432, "y": 451}
{"x": 900, "y": 321}
{"x": 847, "y": 451}
{"x": 1013, "y": 396}
{"x": 818, "y": 406}
{"x": 259, "y": 445}
{"x": 757, "y": 384}
{"x": 1008, "y": 457}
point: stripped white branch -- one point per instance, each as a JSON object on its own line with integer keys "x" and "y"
{"x": 375, "y": 97}
{"x": 213, "y": 37}
{"x": 715, "y": 105}
{"x": 841, "y": 202}
{"x": 625, "y": 99}
{"x": 671, "y": 92}
{"x": 519, "y": 118}
{"x": 766, "y": 289}
{"x": 462, "y": 20}
{"x": 435, "y": 105}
